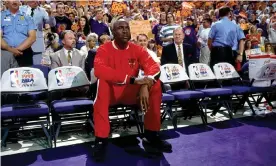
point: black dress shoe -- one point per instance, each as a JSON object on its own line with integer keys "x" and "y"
{"x": 99, "y": 149}
{"x": 153, "y": 143}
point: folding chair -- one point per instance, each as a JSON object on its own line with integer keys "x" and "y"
{"x": 24, "y": 111}
{"x": 226, "y": 72}
{"x": 174, "y": 73}
{"x": 262, "y": 83}
{"x": 202, "y": 73}
{"x": 167, "y": 101}
{"x": 68, "y": 88}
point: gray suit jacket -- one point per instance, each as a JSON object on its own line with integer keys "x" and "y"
{"x": 59, "y": 59}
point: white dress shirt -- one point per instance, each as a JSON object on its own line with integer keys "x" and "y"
{"x": 66, "y": 54}
{"x": 153, "y": 55}
{"x": 181, "y": 47}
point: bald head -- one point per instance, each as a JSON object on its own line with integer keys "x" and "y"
{"x": 121, "y": 31}
{"x": 178, "y": 35}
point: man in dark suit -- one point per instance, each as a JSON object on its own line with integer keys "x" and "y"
{"x": 178, "y": 52}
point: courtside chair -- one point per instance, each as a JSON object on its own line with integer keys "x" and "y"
{"x": 265, "y": 91}
{"x": 202, "y": 73}
{"x": 173, "y": 74}
{"x": 68, "y": 87}
{"x": 24, "y": 111}
{"x": 225, "y": 72}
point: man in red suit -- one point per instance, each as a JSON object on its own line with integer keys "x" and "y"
{"x": 117, "y": 65}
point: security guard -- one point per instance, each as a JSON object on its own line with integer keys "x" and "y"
{"x": 18, "y": 33}
{"x": 222, "y": 38}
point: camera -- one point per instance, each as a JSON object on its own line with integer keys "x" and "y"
{"x": 51, "y": 37}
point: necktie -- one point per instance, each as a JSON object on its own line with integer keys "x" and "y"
{"x": 32, "y": 13}
{"x": 69, "y": 58}
{"x": 179, "y": 56}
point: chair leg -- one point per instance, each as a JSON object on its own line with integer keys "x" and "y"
{"x": 242, "y": 101}
{"x": 250, "y": 106}
{"x": 4, "y": 138}
{"x": 47, "y": 134}
{"x": 202, "y": 115}
{"x": 228, "y": 109}
{"x": 259, "y": 100}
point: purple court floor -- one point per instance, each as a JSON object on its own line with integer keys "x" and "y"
{"x": 240, "y": 142}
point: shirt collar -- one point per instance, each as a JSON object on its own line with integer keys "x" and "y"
{"x": 17, "y": 13}
{"x": 66, "y": 51}
{"x": 114, "y": 45}
{"x": 176, "y": 45}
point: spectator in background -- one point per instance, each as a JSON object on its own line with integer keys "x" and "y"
{"x": 103, "y": 39}
{"x": 166, "y": 33}
{"x": 40, "y": 17}
{"x": 72, "y": 18}
{"x": 157, "y": 28}
{"x": 269, "y": 49}
{"x": 142, "y": 40}
{"x": 272, "y": 33}
{"x": 82, "y": 30}
{"x": 254, "y": 37}
{"x": 18, "y": 33}
{"x": 247, "y": 46}
{"x": 91, "y": 43}
{"x": 263, "y": 25}
{"x": 89, "y": 62}
{"x": 62, "y": 22}
{"x": 96, "y": 24}
{"x": 152, "y": 46}
{"x": 68, "y": 56}
{"x": 203, "y": 42}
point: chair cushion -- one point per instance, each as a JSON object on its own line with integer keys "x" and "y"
{"x": 216, "y": 92}
{"x": 167, "y": 97}
{"x": 23, "y": 110}
{"x": 186, "y": 94}
{"x": 71, "y": 106}
{"x": 238, "y": 89}
{"x": 260, "y": 89}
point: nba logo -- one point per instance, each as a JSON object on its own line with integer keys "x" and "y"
{"x": 59, "y": 77}
{"x": 14, "y": 78}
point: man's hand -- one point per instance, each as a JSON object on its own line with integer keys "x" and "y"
{"x": 144, "y": 81}
{"x": 144, "y": 98}
{"x": 239, "y": 58}
{"x": 15, "y": 51}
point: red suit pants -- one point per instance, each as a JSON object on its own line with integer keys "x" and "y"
{"x": 109, "y": 94}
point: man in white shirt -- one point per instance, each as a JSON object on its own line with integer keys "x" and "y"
{"x": 142, "y": 40}
{"x": 202, "y": 42}
{"x": 68, "y": 56}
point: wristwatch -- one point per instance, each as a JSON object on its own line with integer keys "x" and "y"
{"x": 132, "y": 80}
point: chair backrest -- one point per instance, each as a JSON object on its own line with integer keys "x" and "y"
{"x": 172, "y": 73}
{"x": 67, "y": 77}
{"x": 266, "y": 72}
{"x": 200, "y": 72}
{"x": 44, "y": 69}
{"x": 225, "y": 71}
{"x": 23, "y": 79}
